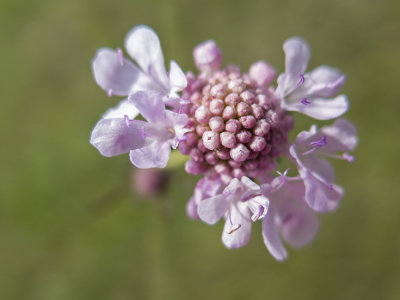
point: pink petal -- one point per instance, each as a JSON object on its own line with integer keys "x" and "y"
{"x": 150, "y": 105}
{"x": 271, "y": 236}
{"x": 297, "y": 55}
{"x": 113, "y": 137}
{"x": 191, "y": 209}
{"x": 155, "y": 155}
{"x": 321, "y": 196}
{"x": 342, "y": 136}
{"x": 177, "y": 78}
{"x": 321, "y": 109}
{"x": 239, "y": 237}
{"x": 327, "y": 81}
{"x": 111, "y": 75}
{"x": 124, "y": 108}
{"x": 144, "y": 47}
{"x": 210, "y": 210}
{"x": 298, "y": 224}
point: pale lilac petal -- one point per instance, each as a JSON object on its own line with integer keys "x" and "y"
{"x": 300, "y": 228}
{"x": 210, "y": 210}
{"x": 150, "y": 105}
{"x": 143, "y": 45}
{"x": 327, "y": 81}
{"x": 178, "y": 122}
{"x": 262, "y": 73}
{"x": 113, "y": 137}
{"x": 207, "y": 56}
{"x": 232, "y": 238}
{"x": 298, "y": 223}
{"x": 321, "y": 109}
{"x": 233, "y": 187}
{"x": 191, "y": 209}
{"x": 155, "y": 155}
{"x": 342, "y": 136}
{"x": 124, "y": 108}
{"x": 177, "y": 78}
{"x": 249, "y": 183}
{"x": 271, "y": 236}
{"x": 297, "y": 55}
{"x": 111, "y": 75}
{"x": 321, "y": 196}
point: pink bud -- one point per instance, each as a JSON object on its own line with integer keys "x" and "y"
{"x": 228, "y": 139}
{"x": 207, "y": 56}
{"x": 262, "y": 73}
{"x": 239, "y": 153}
{"x": 211, "y": 140}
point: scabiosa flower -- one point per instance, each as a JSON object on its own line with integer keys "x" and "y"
{"x": 148, "y": 143}
{"x": 234, "y": 127}
{"x": 309, "y": 151}
{"x": 309, "y": 93}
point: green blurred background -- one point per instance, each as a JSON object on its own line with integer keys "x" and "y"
{"x": 70, "y": 225}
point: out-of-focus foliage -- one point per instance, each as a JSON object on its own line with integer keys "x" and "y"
{"x": 70, "y": 227}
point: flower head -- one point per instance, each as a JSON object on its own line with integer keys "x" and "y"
{"x": 234, "y": 126}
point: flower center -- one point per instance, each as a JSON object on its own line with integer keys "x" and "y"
{"x": 237, "y": 126}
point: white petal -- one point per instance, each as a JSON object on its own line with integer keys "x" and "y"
{"x": 236, "y": 237}
{"x": 113, "y": 137}
{"x": 210, "y": 210}
{"x": 150, "y": 105}
{"x": 297, "y": 55}
{"x": 177, "y": 78}
{"x": 321, "y": 109}
{"x": 155, "y": 155}
{"x": 124, "y": 107}
{"x": 111, "y": 75}
{"x": 144, "y": 47}
{"x": 271, "y": 236}
{"x": 342, "y": 136}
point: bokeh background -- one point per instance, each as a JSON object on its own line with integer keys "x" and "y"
{"x": 72, "y": 228}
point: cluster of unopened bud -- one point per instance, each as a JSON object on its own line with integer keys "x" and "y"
{"x": 237, "y": 127}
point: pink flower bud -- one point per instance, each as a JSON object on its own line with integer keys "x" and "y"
{"x": 262, "y": 73}
{"x": 210, "y": 140}
{"x": 207, "y": 56}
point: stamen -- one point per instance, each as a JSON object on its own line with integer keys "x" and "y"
{"x": 348, "y": 157}
{"x": 301, "y": 80}
{"x": 256, "y": 216}
{"x": 233, "y": 228}
{"x": 110, "y": 93}
{"x": 120, "y": 56}
{"x": 319, "y": 143}
{"x": 305, "y": 101}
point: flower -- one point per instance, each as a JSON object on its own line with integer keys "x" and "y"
{"x": 119, "y": 76}
{"x": 288, "y": 215}
{"x": 149, "y": 143}
{"x": 308, "y": 152}
{"x": 309, "y": 93}
{"x": 241, "y": 202}
{"x": 234, "y": 126}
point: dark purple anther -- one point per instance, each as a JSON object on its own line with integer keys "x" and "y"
{"x": 305, "y": 101}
